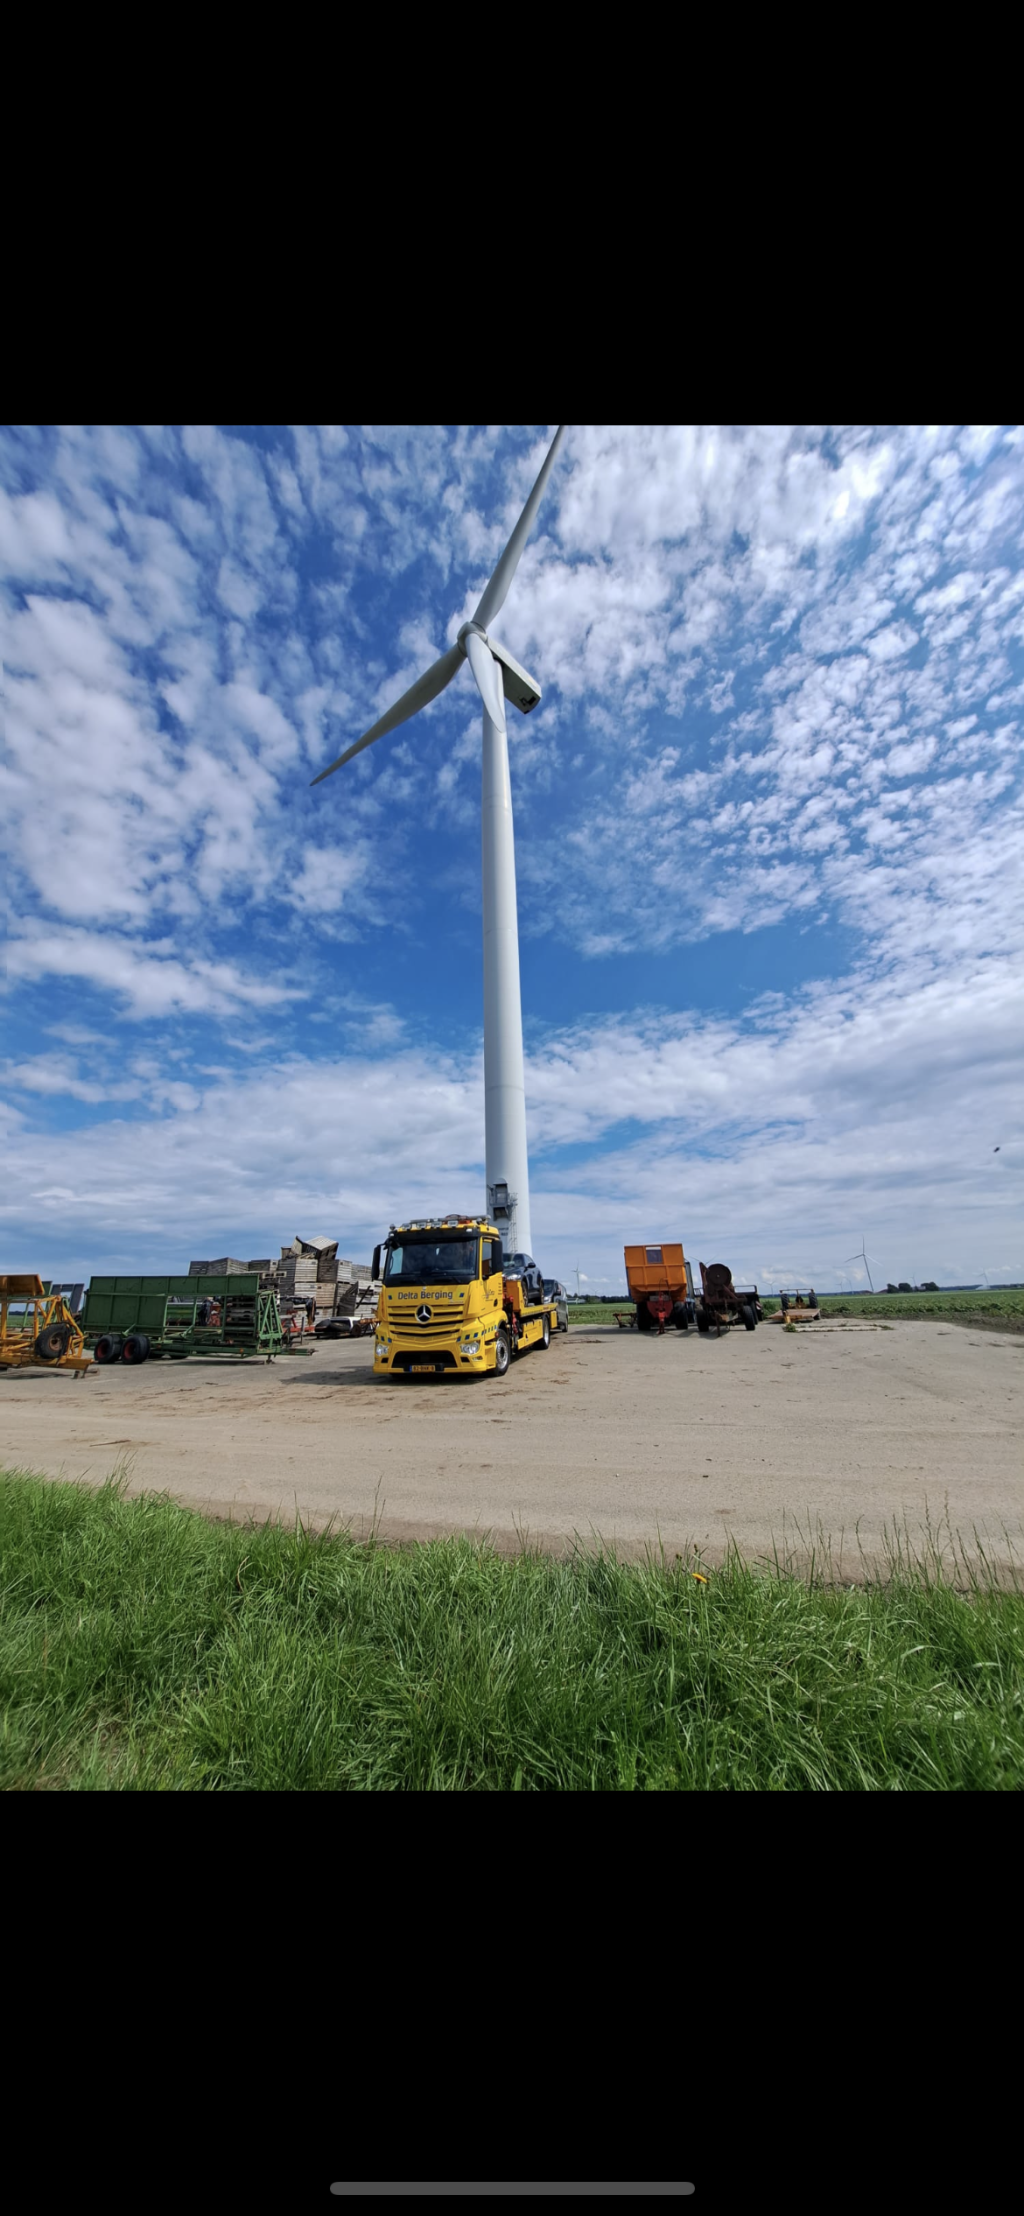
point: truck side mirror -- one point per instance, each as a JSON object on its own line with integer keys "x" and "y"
{"x": 375, "y": 1273}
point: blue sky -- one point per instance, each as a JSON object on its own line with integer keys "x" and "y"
{"x": 768, "y": 842}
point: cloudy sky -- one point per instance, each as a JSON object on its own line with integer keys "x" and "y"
{"x": 768, "y": 840}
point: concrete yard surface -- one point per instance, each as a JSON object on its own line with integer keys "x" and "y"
{"x": 775, "y": 1440}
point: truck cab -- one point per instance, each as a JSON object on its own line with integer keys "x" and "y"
{"x": 446, "y": 1306}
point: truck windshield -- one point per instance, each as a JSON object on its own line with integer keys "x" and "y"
{"x": 432, "y": 1262}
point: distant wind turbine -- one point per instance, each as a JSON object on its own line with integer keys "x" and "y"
{"x": 861, "y": 1257}
{"x": 498, "y": 677}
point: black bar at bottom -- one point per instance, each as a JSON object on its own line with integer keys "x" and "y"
{"x": 519, "y": 2189}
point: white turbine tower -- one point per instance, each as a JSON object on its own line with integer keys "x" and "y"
{"x": 861, "y": 1257}
{"x": 498, "y": 677}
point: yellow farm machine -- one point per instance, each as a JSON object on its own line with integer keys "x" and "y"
{"x": 37, "y": 1328}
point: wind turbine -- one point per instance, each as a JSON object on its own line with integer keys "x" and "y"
{"x": 498, "y": 677}
{"x": 861, "y": 1257}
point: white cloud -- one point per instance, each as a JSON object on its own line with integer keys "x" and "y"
{"x": 326, "y": 880}
{"x": 717, "y": 1132}
{"x": 148, "y": 979}
{"x": 57, "y": 1076}
{"x": 896, "y": 638}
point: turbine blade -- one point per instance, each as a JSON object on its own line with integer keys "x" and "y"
{"x": 426, "y": 688}
{"x": 494, "y": 596}
{"x": 485, "y": 670}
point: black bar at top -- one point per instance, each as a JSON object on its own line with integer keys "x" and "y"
{"x": 448, "y": 2189}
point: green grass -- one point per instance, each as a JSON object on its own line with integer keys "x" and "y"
{"x": 1001, "y": 1308}
{"x": 143, "y": 1648}
{"x": 1005, "y": 1308}
{"x": 597, "y": 1311}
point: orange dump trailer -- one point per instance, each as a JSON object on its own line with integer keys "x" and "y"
{"x": 660, "y": 1283}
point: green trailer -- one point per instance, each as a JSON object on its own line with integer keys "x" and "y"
{"x": 137, "y": 1319}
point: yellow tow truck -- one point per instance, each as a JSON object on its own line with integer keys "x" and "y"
{"x": 447, "y": 1308}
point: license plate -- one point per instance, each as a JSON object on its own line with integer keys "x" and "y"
{"x": 431, "y": 1366}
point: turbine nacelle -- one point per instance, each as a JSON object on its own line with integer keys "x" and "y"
{"x": 499, "y": 677}
{"x": 516, "y": 683}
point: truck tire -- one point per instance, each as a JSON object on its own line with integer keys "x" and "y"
{"x": 680, "y": 1317}
{"x": 502, "y": 1356}
{"x": 749, "y": 1318}
{"x": 135, "y": 1348}
{"x": 52, "y": 1342}
{"x": 703, "y": 1320}
{"x": 108, "y": 1347}
{"x": 546, "y": 1333}
{"x": 644, "y": 1319}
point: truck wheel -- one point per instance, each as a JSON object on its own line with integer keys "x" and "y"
{"x": 108, "y": 1348}
{"x": 501, "y": 1354}
{"x": 703, "y": 1321}
{"x": 749, "y": 1318}
{"x": 680, "y": 1317}
{"x": 135, "y": 1348}
{"x": 546, "y": 1333}
{"x": 52, "y": 1342}
{"x": 644, "y": 1319}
